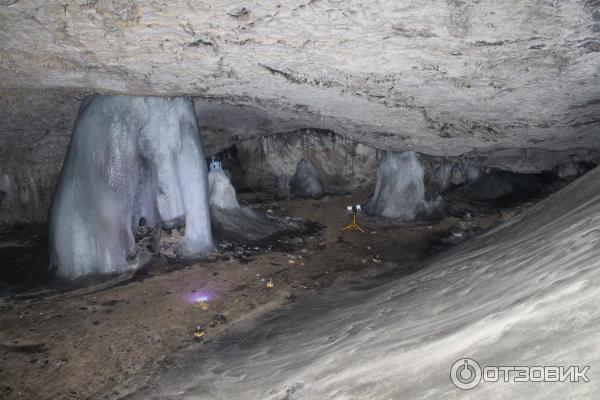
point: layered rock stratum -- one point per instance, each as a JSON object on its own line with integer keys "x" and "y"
{"x": 513, "y": 83}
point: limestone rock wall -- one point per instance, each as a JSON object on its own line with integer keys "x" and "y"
{"x": 268, "y": 163}
{"x": 35, "y": 127}
{"x": 440, "y": 77}
{"x": 514, "y": 84}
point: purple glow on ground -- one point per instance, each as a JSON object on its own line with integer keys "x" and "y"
{"x": 199, "y": 295}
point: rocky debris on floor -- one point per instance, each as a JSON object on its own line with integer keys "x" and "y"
{"x": 218, "y": 319}
{"x": 165, "y": 242}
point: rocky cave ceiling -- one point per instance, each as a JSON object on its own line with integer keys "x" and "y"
{"x": 443, "y": 77}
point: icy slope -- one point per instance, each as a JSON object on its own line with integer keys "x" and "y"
{"x": 527, "y": 293}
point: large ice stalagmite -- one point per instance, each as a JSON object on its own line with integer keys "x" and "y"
{"x": 230, "y": 220}
{"x": 306, "y": 182}
{"x": 129, "y": 158}
{"x": 400, "y": 188}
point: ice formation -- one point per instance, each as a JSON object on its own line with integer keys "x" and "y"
{"x": 400, "y": 188}
{"x": 451, "y": 174}
{"x": 230, "y": 220}
{"x": 523, "y": 294}
{"x": 129, "y": 158}
{"x": 221, "y": 191}
{"x": 306, "y": 182}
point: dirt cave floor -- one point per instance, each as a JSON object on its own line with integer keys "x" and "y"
{"x": 103, "y": 339}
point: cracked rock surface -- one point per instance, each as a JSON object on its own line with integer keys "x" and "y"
{"x": 442, "y": 77}
{"x": 512, "y": 84}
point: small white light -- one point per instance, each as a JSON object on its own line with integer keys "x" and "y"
{"x": 349, "y": 208}
{"x": 358, "y": 208}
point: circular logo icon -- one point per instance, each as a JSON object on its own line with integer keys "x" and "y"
{"x": 465, "y": 373}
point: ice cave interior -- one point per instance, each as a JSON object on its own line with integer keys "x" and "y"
{"x": 293, "y": 200}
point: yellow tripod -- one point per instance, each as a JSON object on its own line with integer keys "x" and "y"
{"x": 353, "y": 226}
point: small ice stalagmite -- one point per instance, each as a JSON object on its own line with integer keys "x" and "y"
{"x": 306, "y": 182}
{"x": 129, "y": 159}
{"x": 221, "y": 193}
{"x": 450, "y": 174}
{"x": 400, "y": 188}
{"x": 230, "y": 220}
